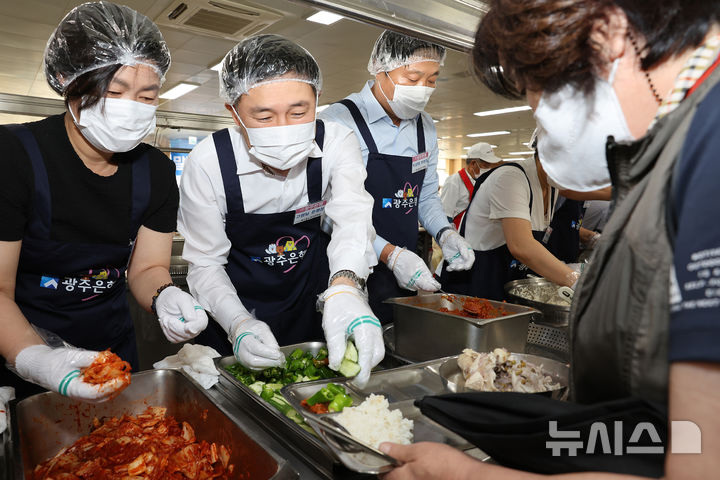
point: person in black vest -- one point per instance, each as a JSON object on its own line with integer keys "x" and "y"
{"x": 274, "y": 212}
{"x": 625, "y": 93}
{"x": 85, "y": 204}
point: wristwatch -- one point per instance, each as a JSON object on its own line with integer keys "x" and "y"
{"x": 360, "y": 282}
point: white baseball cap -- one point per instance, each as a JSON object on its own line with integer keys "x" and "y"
{"x": 482, "y": 151}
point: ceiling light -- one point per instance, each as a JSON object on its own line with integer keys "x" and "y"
{"x": 322, "y": 107}
{"x": 326, "y": 18}
{"x": 489, "y": 134}
{"x": 522, "y": 153}
{"x": 179, "y": 90}
{"x": 463, "y": 156}
{"x": 467, "y": 148}
{"x": 435, "y": 121}
{"x": 445, "y": 137}
{"x": 217, "y": 67}
{"x": 500, "y": 111}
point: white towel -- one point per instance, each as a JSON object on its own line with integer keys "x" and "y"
{"x": 196, "y": 361}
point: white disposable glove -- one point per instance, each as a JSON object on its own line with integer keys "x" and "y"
{"x": 254, "y": 345}
{"x": 59, "y": 370}
{"x": 458, "y": 253}
{"x": 180, "y": 316}
{"x": 346, "y": 314}
{"x": 410, "y": 271}
{"x": 592, "y": 243}
{"x": 6, "y": 394}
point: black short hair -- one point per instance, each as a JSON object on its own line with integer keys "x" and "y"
{"x": 91, "y": 86}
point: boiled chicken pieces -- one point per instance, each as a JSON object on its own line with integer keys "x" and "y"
{"x": 502, "y": 371}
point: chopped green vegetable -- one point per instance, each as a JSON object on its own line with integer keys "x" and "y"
{"x": 322, "y": 354}
{"x": 321, "y": 396}
{"x": 351, "y": 352}
{"x": 349, "y": 368}
{"x": 336, "y": 389}
{"x": 297, "y": 354}
{"x": 267, "y": 393}
{"x": 339, "y": 402}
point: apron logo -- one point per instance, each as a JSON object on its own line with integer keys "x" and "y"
{"x": 405, "y": 198}
{"x": 92, "y": 283}
{"x": 286, "y": 251}
{"x": 49, "y": 282}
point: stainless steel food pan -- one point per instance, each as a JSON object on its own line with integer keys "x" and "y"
{"x": 558, "y": 371}
{"x": 553, "y": 315}
{"x": 45, "y": 423}
{"x": 422, "y": 332}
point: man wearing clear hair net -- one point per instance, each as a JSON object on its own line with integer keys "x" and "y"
{"x": 84, "y": 203}
{"x": 400, "y": 151}
{"x": 274, "y": 214}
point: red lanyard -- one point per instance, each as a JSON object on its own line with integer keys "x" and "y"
{"x": 704, "y": 77}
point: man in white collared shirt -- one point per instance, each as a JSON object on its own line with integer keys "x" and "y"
{"x": 257, "y": 203}
{"x": 400, "y": 151}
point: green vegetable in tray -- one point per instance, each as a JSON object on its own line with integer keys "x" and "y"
{"x": 321, "y": 396}
{"x": 299, "y": 366}
{"x": 340, "y": 401}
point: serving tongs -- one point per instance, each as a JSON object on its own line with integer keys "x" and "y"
{"x": 342, "y": 443}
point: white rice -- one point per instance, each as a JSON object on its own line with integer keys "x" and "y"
{"x": 372, "y": 422}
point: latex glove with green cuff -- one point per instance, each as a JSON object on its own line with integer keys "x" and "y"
{"x": 458, "y": 253}
{"x": 180, "y": 316}
{"x": 59, "y": 370}
{"x": 410, "y": 271}
{"x": 346, "y": 314}
{"x": 254, "y": 345}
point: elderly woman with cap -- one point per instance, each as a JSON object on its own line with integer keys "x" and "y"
{"x": 84, "y": 203}
{"x": 273, "y": 212}
{"x": 400, "y": 152}
{"x": 458, "y": 188}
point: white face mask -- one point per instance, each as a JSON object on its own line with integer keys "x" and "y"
{"x": 116, "y": 124}
{"x": 573, "y": 131}
{"x": 281, "y": 147}
{"x": 408, "y": 100}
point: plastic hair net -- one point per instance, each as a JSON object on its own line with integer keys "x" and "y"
{"x": 266, "y": 59}
{"x": 99, "y": 34}
{"x": 394, "y": 50}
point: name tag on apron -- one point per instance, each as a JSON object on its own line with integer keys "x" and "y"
{"x": 420, "y": 162}
{"x": 548, "y": 232}
{"x": 309, "y": 212}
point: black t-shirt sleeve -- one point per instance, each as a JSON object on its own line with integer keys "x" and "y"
{"x": 16, "y": 187}
{"x": 161, "y": 215}
{"x": 695, "y": 288}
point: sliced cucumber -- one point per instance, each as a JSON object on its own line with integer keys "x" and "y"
{"x": 349, "y": 368}
{"x": 351, "y": 352}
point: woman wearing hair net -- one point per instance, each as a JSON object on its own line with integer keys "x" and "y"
{"x": 83, "y": 202}
{"x": 400, "y": 151}
{"x": 255, "y": 203}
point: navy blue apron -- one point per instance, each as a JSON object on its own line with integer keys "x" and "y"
{"x": 562, "y": 237}
{"x": 76, "y": 290}
{"x": 278, "y": 268}
{"x": 396, "y": 197}
{"x": 492, "y": 268}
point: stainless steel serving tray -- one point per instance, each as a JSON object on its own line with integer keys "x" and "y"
{"x": 401, "y": 387}
{"x": 45, "y": 423}
{"x": 283, "y": 428}
{"x": 422, "y": 332}
{"x": 552, "y": 315}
